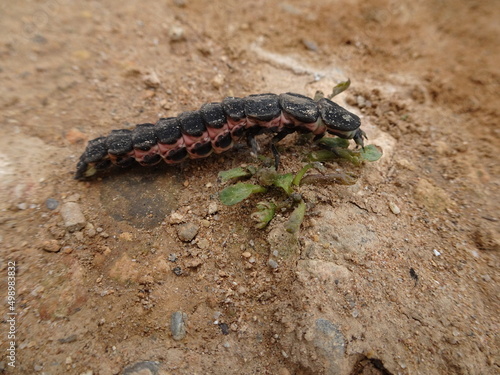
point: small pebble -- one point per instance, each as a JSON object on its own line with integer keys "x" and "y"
{"x": 90, "y": 230}
{"x": 22, "y": 206}
{"x": 151, "y": 80}
{"x": 178, "y": 325}
{"x": 187, "y": 232}
{"x": 51, "y": 203}
{"x": 176, "y": 33}
{"x": 436, "y": 253}
{"x": 78, "y": 236}
{"x": 67, "y": 249}
{"x": 224, "y": 328}
{"x": 142, "y": 368}
{"x": 203, "y": 244}
{"x": 194, "y": 263}
{"x": 73, "y": 198}
{"x": 72, "y": 216}
{"x": 127, "y": 236}
{"x": 51, "y": 246}
{"x": 172, "y": 257}
{"x": 212, "y": 208}
{"x": 177, "y": 271}
{"x": 218, "y": 81}
{"x": 246, "y": 254}
{"x": 361, "y": 101}
{"x": 176, "y": 218}
{"x": 310, "y": 45}
{"x": 395, "y": 209}
{"x": 486, "y": 278}
{"x": 272, "y": 263}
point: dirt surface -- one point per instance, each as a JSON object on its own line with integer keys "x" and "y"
{"x": 397, "y": 274}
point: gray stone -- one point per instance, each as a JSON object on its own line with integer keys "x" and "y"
{"x": 178, "y": 325}
{"x": 72, "y": 216}
{"x": 330, "y": 344}
{"x": 51, "y": 203}
{"x": 272, "y": 263}
{"x": 142, "y": 368}
{"x": 187, "y": 232}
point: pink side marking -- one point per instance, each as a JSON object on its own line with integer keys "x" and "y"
{"x": 139, "y": 154}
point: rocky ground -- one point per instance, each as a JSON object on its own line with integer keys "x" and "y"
{"x": 145, "y": 271}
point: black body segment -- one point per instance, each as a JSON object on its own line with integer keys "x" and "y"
{"x": 191, "y": 123}
{"x": 144, "y": 137}
{"x": 337, "y": 117}
{"x": 262, "y": 107}
{"x": 168, "y": 130}
{"x": 214, "y": 128}
{"x": 234, "y": 108}
{"x": 213, "y": 115}
{"x": 96, "y": 150}
{"x": 302, "y": 108}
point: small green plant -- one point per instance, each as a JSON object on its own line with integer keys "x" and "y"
{"x": 331, "y": 149}
{"x": 288, "y": 183}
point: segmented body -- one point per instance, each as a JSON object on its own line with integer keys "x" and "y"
{"x": 215, "y": 127}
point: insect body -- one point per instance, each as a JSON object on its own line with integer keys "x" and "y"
{"x": 215, "y": 127}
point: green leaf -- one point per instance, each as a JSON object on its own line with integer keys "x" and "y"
{"x": 300, "y": 174}
{"x": 236, "y": 193}
{"x": 330, "y": 142}
{"x": 264, "y": 214}
{"x": 351, "y": 155}
{"x": 296, "y": 218}
{"x": 330, "y": 178}
{"x": 370, "y": 153}
{"x": 266, "y": 176}
{"x": 284, "y": 181}
{"x": 320, "y": 155}
{"x": 341, "y": 87}
{"x": 234, "y": 173}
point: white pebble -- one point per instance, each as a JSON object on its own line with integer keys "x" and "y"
{"x": 395, "y": 209}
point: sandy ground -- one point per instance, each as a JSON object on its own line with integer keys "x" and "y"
{"x": 361, "y": 289}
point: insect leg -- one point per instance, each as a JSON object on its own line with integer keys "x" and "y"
{"x": 278, "y": 137}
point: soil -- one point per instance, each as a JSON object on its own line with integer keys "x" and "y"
{"x": 396, "y": 274}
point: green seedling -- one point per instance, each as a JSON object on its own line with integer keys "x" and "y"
{"x": 236, "y": 193}
{"x": 296, "y": 218}
{"x": 264, "y": 214}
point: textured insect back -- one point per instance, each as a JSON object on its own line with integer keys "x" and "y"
{"x": 217, "y": 127}
{"x": 145, "y": 144}
{"x": 196, "y": 138}
{"x": 301, "y": 113}
{"x": 234, "y": 108}
{"x": 170, "y": 140}
{"x": 263, "y": 110}
{"x": 94, "y": 158}
{"x": 338, "y": 120}
{"x": 120, "y": 147}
